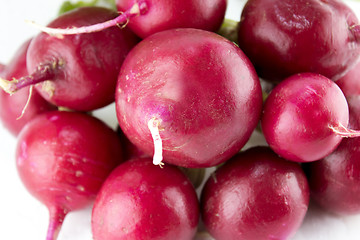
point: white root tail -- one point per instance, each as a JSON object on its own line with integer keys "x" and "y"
{"x": 153, "y": 126}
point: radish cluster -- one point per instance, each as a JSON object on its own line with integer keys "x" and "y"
{"x": 186, "y": 99}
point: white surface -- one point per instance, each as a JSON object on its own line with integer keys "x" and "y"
{"x": 23, "y": 217}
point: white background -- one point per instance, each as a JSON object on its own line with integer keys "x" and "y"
{"x": 23, "y": 217}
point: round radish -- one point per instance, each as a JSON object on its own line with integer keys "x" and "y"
{"x": 285, "y": 37}
{"x": 335, "y": 180}
{"x": 305, "y": 117}
{"x": 188, "y": 95}
{"x": 255, "y": 195}
{"x": 77, "y": 72}
{"x": 142, "y": 201}
{"x": 146, "y": 17}
{"x": 63, "y": 158}
{"x": 17, "y": 109}
{"x": 349, "y": 83}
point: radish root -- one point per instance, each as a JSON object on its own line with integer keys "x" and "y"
{"x": 343, "y": 131}
{"x": 27, "y": 103}
{"x": 153, "y": 126}
{"x": 139, "y": 8}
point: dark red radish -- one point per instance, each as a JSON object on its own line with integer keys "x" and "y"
{"x": 18, "y": 109}
{"x": 285, "y": 37}
{"x": 195, "y": 103}
{"x": 255, "y": 195}
{"x": 77, "y": 72}
{"x": 146, "y": 17}
{"x": 305, "y": 117}
{"x": 142, "y": 201}
{"x": 63, "y": 158}
{"x": 350, "y": 82}
{"x": 335, "y": 180}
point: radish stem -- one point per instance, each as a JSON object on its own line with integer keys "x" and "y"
{"x": 153, "y": 126}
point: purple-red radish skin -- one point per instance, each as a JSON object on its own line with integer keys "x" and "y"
{"x": 350, "y": 83}
{"x": 63, "y": 158}
{"x": 298, "y": 115}
{"x": 255, "y": 195}
{"x": 168, "y": 14}
{"x": 335, "y": 180}
{"x": 142, "y": 201}
{"x": 203, "y": 93}
{"x": 82, "y": 69}
{"x": 15, "y": 112}
{"x": 286, "y": 37}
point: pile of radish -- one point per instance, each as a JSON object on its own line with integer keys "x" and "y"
{"x": 181, "y": 159}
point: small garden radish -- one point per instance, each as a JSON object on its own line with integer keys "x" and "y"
{"x": 146, "y": 17}
{"x": 285, "y": 37}
{"x": 195, "y": 104}
{"x": 77, "y": 72}
{"x": 17, "y": 109}
{"x": 142, "y": 201}
{"x": 63, "y": 158}
{"x": 335, "y": 180}
{"x": 305, "y": 117}
{"x": 255, "y": 195}
{"x": 349, "y": 83}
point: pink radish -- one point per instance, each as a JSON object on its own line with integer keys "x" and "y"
{"x": 77, "y": 72}
{"x": 142, "y": 201}
{"x": 63, "y": 158}
{"x": 255, "y": 195}
{"x": 194, "y": 103}
{"x": 285, "y": 37}
{"x": 146, "y": 17}
{"x": 305, "y": 117}
{"x": 335, "y": 180}
{"x": 2, "y": 67}
{"x": 16, "y": 110}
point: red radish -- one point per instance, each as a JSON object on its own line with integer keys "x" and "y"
{"x": 142, "y": 201}
{"x": 63, "y": 158}
{"x": 17, "y": 109}
{"x": 335, "y": 180}
{"x": 305, "y": 117}
{"x": 255, "y": 195}
{"x": 285, "y": 37}
{"x": 199, "y": 100}
{"x": 77, "y": 72}
{"x": 350, "y": 83}
{"x": 146, "y": 17}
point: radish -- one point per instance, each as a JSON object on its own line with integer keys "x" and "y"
{"x": 189, "y": 96}
{"x": 349, "y": 83}
{"x": 305, "y": 117}
{"x": 146, "y": 17}
{"x": 255, "y": 195}
{"x": 2, "y": 67}
{"x": 63, "y": 158}
{"x": 141, "y": 201}
{"x": 285, "y": 37}
{"x": 335, "y": 180}
{"x": 16, "y": 110}
{"x": 77, "y": 72}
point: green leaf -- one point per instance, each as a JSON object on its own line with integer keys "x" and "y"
{"x": 69, "y": 5}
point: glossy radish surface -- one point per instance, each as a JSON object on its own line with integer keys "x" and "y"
{"x": 285, "y": 37}
{"x": 255, "y": 195}
{"x": 335, "y": 180}
{"x": 78, "y": 72}
{"x": 142, "y": 201}
{"x": 146, "y": 17}
{"x": 199, "y": 99}
{"x": 349, "y": 83}
{"x": 17, "y": 109}
{"x": 63, "y": 158}
{"x": 305, "y": 117}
